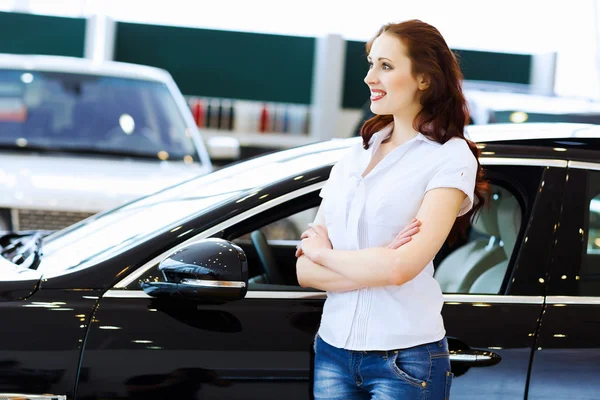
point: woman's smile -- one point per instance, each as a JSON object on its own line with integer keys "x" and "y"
{"x": 377, "y": 94}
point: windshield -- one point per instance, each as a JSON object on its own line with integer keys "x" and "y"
{"x": 68, "y": 112}
{"x": 106, "y": 235}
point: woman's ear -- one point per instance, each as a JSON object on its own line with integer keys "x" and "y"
{"x": 423, "y": 81}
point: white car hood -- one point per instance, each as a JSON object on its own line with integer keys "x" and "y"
{"x": 84, "y": 184}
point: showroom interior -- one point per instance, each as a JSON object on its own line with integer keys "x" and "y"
{"x": 162, "y": 165}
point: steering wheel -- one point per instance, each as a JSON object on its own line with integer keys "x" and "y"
{"x": 267, "y": 258}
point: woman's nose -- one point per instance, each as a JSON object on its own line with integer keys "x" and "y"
{"x": 371, "y": 77}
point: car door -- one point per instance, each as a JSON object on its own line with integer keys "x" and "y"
{"x": 566, "y": 359}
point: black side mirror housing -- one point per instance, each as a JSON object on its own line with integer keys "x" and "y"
{"x": 207, "y": 270}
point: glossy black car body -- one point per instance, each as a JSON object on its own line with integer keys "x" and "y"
{"x": 125, "y": 305}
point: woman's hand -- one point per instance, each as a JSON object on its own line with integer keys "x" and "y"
{"x": 313, "y": 239}
{"x": 405, "y": 234}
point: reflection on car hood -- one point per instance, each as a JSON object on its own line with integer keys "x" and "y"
{"x": 84, "y": 184}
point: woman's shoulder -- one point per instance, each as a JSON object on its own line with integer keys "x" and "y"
{"x": 351, "y": 153}
{"x": 458, "y": 150}
{"x": 456, "y": 145}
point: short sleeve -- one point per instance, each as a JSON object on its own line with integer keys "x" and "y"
{"x": 458, "y": 169}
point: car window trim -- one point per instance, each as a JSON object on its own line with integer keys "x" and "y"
{"x": 584, "y": 165}
{"x": 564, "y": 300}
{"x": 9, "y": 396}
{"x": 300, "y": 192}
{"x": 526, "y": 162}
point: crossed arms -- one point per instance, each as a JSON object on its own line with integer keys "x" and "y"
{"x": 321, "y": 267}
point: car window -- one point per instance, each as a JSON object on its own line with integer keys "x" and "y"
{"x": 276, "y": 231}
{"x": 68, "y": 112}
{"x": 479, "y": 265}
{"x": 589, "y": 275}
{"x": 275, "y": 243}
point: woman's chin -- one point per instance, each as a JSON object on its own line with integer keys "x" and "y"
{"x": 378, "y": 109}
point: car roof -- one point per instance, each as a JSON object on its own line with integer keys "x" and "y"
{"x": 82, "y": 66}
{"x": 531, "y": 102}
{"x": 530, "y": 132}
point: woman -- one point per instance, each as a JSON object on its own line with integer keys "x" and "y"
{"x": 382, "y": 335}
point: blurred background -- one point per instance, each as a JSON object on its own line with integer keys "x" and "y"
{"x": 233, "y": 79}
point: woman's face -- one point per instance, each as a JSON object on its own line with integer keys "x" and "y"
{"x": 394, "y": 90}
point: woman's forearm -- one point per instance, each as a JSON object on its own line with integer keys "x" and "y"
{"x": 318, "y": 277}
{"x": 369, "y": 267}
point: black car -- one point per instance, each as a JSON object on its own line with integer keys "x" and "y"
{"x": 191, "y": 292}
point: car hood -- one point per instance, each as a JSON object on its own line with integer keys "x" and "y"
{"x": 84, "y": 184}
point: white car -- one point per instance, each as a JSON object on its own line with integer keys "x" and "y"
{"x": 78, "y": 137}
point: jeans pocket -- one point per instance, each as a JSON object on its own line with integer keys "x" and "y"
{"x": 412, "y": 365}
{"x": 449, "y": 377}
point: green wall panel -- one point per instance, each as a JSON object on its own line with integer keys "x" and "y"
{"x": 476, "y": 65}
{"x": 356, "y": 92}
{"x": 497, "y": 67}
{"x": 41, "y": 34}
{"x": 224, "y": 64}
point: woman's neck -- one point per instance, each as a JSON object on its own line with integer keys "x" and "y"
{"x": 403, "y": 130}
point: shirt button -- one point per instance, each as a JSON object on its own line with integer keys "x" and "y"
{"x": 424, "y": 384}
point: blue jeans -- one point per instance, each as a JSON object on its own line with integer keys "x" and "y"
{"x": 420, "y": 372}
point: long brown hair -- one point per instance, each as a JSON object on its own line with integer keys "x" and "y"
{"x": 444, "y": 113}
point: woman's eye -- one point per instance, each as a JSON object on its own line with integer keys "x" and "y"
{"x": 370, "y": 64}
{"x": 385, "y": 66}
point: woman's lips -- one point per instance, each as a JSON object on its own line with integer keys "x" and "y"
{"x": 377, "y": 95}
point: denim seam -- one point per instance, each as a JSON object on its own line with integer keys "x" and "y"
{"x": 447, "y": 389}
{"x": 403, "y": 375}
{"x": 430, "y": 366}
{"x": 359, "y": 376}
{"x": 350, "y": 363}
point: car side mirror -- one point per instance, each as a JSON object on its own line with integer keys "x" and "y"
{"x": 207, "y": 270}
{"x": 223, "y": 149}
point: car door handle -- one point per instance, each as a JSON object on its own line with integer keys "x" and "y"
{"x": 474, "y": 358}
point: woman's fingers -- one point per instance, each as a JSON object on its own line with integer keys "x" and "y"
{"x": 319, "y": 229}
{"x": 411, "y": 232}
{"x": 399, "y": 243}
{"x": 414, "y": 223}
{"x": 410, "y": 229}
{"x": 308, "y": 233}
{"x": 405, "y": 234}
{"x": 299, "y": 251}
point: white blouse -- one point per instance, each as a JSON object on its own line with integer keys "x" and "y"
{"x": 370, "y": 212}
